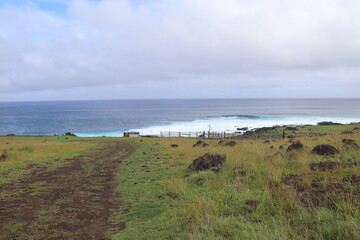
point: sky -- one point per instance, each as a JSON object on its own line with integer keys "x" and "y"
{"x": 153, "y": 49}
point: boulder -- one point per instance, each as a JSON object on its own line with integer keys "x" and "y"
{"x": 70, "y": 134}
{"x": 208, "y": 161}
{"x": 4, "y": 157}
{"x": 323, "y": 166}
{"x": 230, "y": 143}
{"x": 200, "y": 144}
{"x": 174, "y": 145}
{"x": 350, "y": 143}
{"x": 324, "y": 149}
{"x": 295, "y": 146}
{"x": 325, "y": 123}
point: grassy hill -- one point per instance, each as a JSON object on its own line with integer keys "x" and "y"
{"x": 142, "y": 188}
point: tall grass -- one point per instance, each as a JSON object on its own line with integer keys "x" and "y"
{"x": 248, "y": 199}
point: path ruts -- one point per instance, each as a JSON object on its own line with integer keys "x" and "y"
{"x": 72, "y": 202}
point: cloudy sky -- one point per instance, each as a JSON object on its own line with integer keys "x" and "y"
{"x": 120, "y": 49}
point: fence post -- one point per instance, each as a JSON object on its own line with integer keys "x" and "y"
{"x": 160, "y": 133}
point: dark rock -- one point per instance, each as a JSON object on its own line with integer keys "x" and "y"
{"x": 70, "y": 134}
{"x": 174, "y": 145}
{"x": 326, "y": 123}
{"x": 282, "y": 146}
{"x": 324, "y": 149}
{"x": 227, "y": 143}
{"x": 266, "y": 141}
{"x": 295, "y": 146}
{"x": 323, "y": 166}
{"x": 291, "y": 136}
{"x": 271, "y": 147}
{"x": 291, "y": 129}
{"x": 208, "y": 161}
{"x": 4, "y": 157}
{"x": 10, "y": 135}
{"x": 242, "y": 129}
{"x": 230, "y": 143}
{"x": 251, "y": 202}
{"x": 350, "y": 143}
{"x": 264, "y": 129}
{"x": 240, "y": 172}
{"x": 250, "y": 205}
{"x": 200, "y": 144}
{"x": 356, "y": 128}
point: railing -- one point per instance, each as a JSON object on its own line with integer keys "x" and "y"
{"x": 198, "y": 134}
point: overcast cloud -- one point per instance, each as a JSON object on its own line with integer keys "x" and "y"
{"x": 176, "y": 49}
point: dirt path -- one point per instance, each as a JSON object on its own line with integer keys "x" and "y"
{"x": 73, "y": 202}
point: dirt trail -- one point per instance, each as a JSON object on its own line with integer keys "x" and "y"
{"x": 72, "y": 202}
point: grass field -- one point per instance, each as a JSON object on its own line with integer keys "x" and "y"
{"x": 142, "y": 188}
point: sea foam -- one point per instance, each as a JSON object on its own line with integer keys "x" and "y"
{"x": 222, "y": 124}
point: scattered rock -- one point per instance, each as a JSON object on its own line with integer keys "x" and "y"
{"x": 291, "y": 137}
{"x": 200, "y": 144}
{"x": 250, "y": 205}
{"x": 227, "y": 143}
{"x": 240, "y": 172}
{"x": 356, "y": 128}
{"x": 291, "y": 129}
{"x": 242, "y": 129}
{"x": 4, "y": 157}
{"x": 350, "y": 143}
{"x": 347, "y": 132}
{"x": 282, "y": 146}
{"x": 326, "y": 123}
{"x": 264, "y": 129}
{"x": 324, "y": 149}
{"x": 295, "y": 146}
{"x": 10, "y": 135}
{"x": 266, "y": 141}
{"x": 70, "y": 134}
{"x": 297, "y": 181}
{"x": 230, "y": 143}
{"x": 174, "y": 145}
{"x": 207, "y": 161}
{"x": 323, "y": 166}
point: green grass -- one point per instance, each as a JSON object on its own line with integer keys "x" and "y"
{"x": 178, "y": 204}
{"x": 47, "y": 152}
{"x": 247, "y": 199}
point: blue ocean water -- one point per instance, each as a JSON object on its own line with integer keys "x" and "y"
{"x": 113, "y": 117}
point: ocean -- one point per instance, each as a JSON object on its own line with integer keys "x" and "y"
{"x": 113, "y": 117}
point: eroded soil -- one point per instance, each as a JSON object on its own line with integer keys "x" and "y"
{"x": 72, "y": 202}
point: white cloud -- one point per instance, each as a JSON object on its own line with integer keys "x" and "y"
{"x": 251, "y": 45}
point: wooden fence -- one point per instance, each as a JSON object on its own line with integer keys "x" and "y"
{"x": 215, "y": 135}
